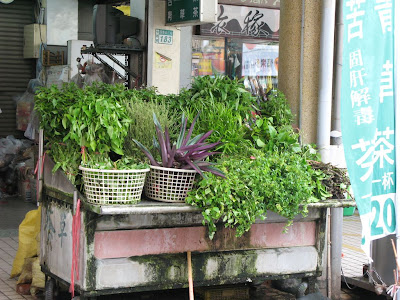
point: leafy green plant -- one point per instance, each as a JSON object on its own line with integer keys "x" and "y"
{"x": 141, "y": 128}
{"x": 97, "y": 121}
{"x": 92, "y": 117}
{"x": 279, "y": 182}
{"x": 51, "y": 104}
{"x": 277, "y": 108}
{"x": 223, "y": 104}
{"x": 103, "y": 162}
{"x": 269, "y": 138}
{"x": 186, "y": 152}
{"x": 332, "y": 182}
{"x": 220, "y": 89}
{"x": 68, "y": 158}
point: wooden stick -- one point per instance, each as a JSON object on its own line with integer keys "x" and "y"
{"x": 190, "y": 275}
{"x": 395, "y": 254}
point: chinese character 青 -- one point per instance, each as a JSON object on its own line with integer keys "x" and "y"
{"x": 386, "y": 87}
{"x": 384, "y": 8}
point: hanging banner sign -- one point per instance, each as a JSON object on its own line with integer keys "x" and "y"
{"x": 368, "y": 113}
{"x": 242, "y": 21}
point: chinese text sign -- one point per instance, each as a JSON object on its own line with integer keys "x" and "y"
{"x": 182, "y": 11}
{"x": 368, "y": 113}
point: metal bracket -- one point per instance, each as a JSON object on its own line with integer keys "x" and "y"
{"x": 74, "y": 204}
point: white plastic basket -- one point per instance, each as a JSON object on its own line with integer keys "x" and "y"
{"x": 110, "y": 187}
{"x": 168, "y": 185}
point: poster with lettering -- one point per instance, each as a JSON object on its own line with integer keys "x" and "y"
{"x": 260, "y": 60}
{"x": 368, "y": 113}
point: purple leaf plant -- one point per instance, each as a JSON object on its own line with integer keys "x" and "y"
{"x": 186, "y": 152}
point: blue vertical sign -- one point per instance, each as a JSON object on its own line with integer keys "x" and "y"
{"x": 368, "y": 113}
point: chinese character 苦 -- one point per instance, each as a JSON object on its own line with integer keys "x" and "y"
{"x": 355, "y": 28}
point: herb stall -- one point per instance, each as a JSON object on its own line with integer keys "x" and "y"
{"x": 254, "y": 209}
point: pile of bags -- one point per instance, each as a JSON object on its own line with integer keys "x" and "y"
{"x": 92, "y": 72}
{"x": 16, "y": 166}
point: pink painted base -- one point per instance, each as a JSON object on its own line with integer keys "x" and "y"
{"x": 126, "y": 243}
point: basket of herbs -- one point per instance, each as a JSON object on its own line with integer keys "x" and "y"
{"x": 172, "y": 178}
{"x": 108, "y": 182}
{"x": 85, "y": 131}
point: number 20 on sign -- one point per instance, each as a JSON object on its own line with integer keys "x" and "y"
{"x": 383, "y": 214}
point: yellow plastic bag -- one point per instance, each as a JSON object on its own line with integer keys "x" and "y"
{"x": 27, "y": 247}
{"x": 38, "y": 278}
{"x": 26, "y": 272}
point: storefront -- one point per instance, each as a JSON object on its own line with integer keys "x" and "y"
{"x": 242, "y": 43}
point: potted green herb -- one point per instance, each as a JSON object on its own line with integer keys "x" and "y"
{"x": 171, "y": 179}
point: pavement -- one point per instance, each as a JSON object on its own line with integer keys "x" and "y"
{"x": 13, "y": 210}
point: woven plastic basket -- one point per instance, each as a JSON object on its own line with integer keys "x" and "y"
{"x": 110, "y": 187}
{"x": 168, "y": 185}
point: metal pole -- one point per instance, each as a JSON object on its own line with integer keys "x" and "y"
{"x": 336, "y": 251}
{"x": 338, "y": 65}
{"x": 326, "y": 78}
{"x": 303, "y": 13}
{"x": 40, "y": 166}
{"x": 327, "y": 42}
{"x": 337, "y": 213}
{"x": 328, "y": 265}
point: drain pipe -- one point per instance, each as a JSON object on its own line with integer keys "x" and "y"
{"x": 301, "y": 66}
{"x": 325, "y": 100}
{"x": 337, "y": 213}
{"x": 326, "y": 78}
{"x": 336, "y": 125}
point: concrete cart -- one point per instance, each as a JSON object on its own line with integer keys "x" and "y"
{"x": 143, "y": 247}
